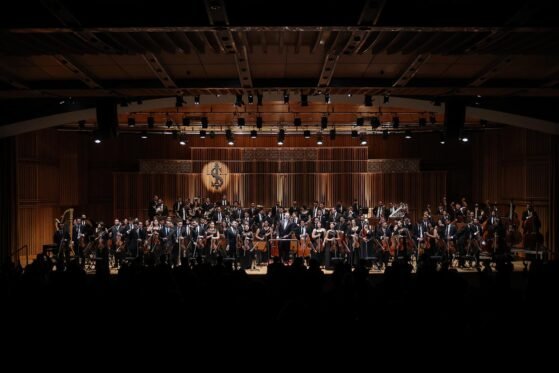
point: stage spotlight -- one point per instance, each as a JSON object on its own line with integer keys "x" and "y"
{"x": 186, "y": 121}
{"x": 363, "y": 139}
{"x": 333, "y": 134}
{"x": 204, "y": 121}
{"x": 241, "y": 121}
{"x": 359, "y": 122}
{"x": 368, "y": 100}
{"x": 239, "y": 100}
{"x": 229, "y": 137}
{"x": 323, "y": 122}
{"x": 96, "y": 138}
{"x": 407, "y": 134}
{"x": 250, "y": 99}
{"x": 443, "y": 139}
{"x": 386, "y": 99}
{"x": 327, "y": 98}
{"x": 307, "y": 134}
{"x": 385, "y": 134}
{"x": 395, "y": 122}
{"x": 281, "y": 136}
{"x": 179, "y": 101}
{"x": 202, "y": 134}
{"x": 253, "y": 134}
{"x": 319, "y": 139}
{"x": 354, "y": 134}
{"x": 297, "y": 122}
{"x": 304, "y": 100}
{"x": 131, "y": 122}
{"x": 151, "y": 122}
{"x": 81, "y": 124}
{"x": 144, "y": 135}
{"x": 259, "y": 122}
{"x": 375, "y": 122}
{"x": 182, "y": 142}
{"x": 422, "y": 122}
{"x": 465, "y": 138}
{"x": 259, "y": 99}
{"x": 196, "y": 100}
{"x": 286, "y": 98}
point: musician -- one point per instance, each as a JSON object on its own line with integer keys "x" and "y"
{"x": 236, "y": 211}
{"x": 380, "y": 211}
{"x": 294, "y": 208}
{"x": 355, "y": 207}
{"x": 223, "y": 202}
{"x": 218, "y": 215}
{"x": 383, "y": 234}
{"x": 167, "y": 236}
{"x": 531, "y": 226}
{"x": 152, "y": 206}
{"x": 314, "y": 210}
{"x": 207, "y": 205}
{"x": 231, "y": 236}
{"x": 177, "y": 206}
{"x": 284, "y": 230}
{"x": 61, "y": 238}
{"x": 248, "y": 254}
{"x": 330, "y": 244}
{"x": 263, "y": 234}
{"x": 132, "y": 237}
{"x": 161, "y": 209}
{"x": 317, "y": 236}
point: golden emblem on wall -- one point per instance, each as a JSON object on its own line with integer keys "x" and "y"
{"x": 215, "y": 176}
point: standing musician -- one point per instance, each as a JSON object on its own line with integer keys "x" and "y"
{"x": 303, "y": 235}
{"x": 261, "y": 239}
{"x": 231, "y": 236}
{"x": 531, "y": 226}
{"x": 331, "y": 248}
{"x": 383, "y": 234}
{"x": 318, "y": 234}
{"x": 247, "y": 253}
{"x": 284, "y": 231}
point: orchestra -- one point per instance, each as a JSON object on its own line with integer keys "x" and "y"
{"x": 456, "y": 233}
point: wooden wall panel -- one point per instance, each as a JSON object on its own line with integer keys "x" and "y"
{"x": 537, "y": 180}
{"x": 134, "y": 191}
{"x": 27, "y": 182}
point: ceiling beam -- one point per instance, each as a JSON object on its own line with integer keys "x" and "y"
{"x": 490, "y": 71}
{"x": 159, "y": 70}
{"x": 78, "y": 72}
{"x": 411, "y": 70}
{"x": 59, "y": 11}
{"x": 369, "y": 16}
{"x": 350, "y": 28}
{"x": 217, "y": 16}
{"x": 9, "y": 79}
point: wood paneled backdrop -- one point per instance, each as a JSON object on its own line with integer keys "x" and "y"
{"x": 58, "y": 170}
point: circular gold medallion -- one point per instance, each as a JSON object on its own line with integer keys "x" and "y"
{"x": 215, "y": 176}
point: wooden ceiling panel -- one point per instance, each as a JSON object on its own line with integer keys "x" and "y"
{"x": 268, "y": 71}
{"x": 187, "y": 71}
{"x": 304, "y": 56}
{"x": 222, "y": 71}
{"x": 307, "y": 70}
{"x": 178, "y": 59}
{"x": 353, "y": 70}
{"x": 58, "y": 72}
{"x": 431, "y": 70}
{"x": 384, "y": 70}
{"x": 137, "y": 72}
{"x": 469, "y": 71}
{"x": 396, "y": 58}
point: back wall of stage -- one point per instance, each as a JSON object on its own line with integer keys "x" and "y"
{"x": 57, "y": 170}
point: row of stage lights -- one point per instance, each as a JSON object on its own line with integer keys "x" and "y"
{"x": 239, "y": 99}
{"x": 297, "y": 122}
{"x": 362, "y": 137}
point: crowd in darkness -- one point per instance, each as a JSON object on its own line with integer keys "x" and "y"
{"x": 492, "y": 301}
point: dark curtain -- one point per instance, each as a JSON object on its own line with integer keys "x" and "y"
{"x": 8, "y": 211}
{"x": 554, "y": 196}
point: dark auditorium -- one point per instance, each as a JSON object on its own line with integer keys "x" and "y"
{"x": 388, "y": 166}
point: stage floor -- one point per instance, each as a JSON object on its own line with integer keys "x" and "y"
{"x": 261, "y": 270}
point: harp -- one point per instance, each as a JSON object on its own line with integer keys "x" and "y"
{"x": 67, "y": 221}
